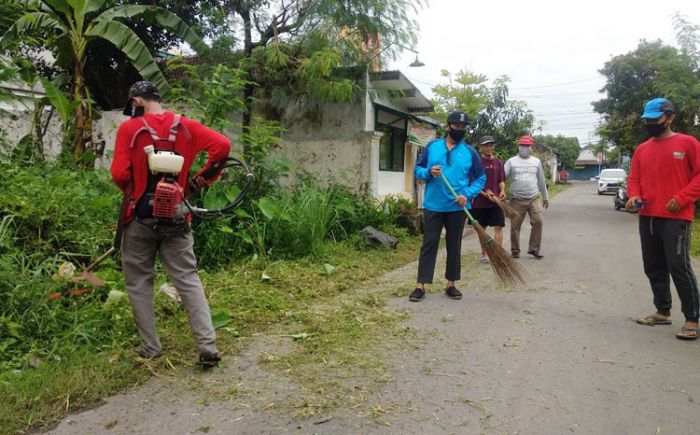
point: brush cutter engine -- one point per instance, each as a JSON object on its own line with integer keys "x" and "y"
{"x": 168, "y": 200}
{"x": 164, "y": 198}
{"x": 168, "y": 196}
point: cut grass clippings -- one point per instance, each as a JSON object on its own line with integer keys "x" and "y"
{"x": 337, "y": 328}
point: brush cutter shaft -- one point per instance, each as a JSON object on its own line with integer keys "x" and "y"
{"x": 102, "y": 258}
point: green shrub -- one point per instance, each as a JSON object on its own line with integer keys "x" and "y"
{"x": 59, "y": 213}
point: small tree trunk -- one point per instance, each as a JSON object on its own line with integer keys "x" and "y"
{"x": 82, "y": 135}
{"x": 249, "y": 88}
{"x": 38, "y": 152}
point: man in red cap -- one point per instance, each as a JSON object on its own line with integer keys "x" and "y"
{"x": 664, "y": 184}
{"x": 527, "y": 185}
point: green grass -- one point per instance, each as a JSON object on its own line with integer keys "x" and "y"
{"x": 300, "y": 298}
{"x": 695, "y": 238}
{"x": 556, "y": 188}
{"x": 43, "y": 395}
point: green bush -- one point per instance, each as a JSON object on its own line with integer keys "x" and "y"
{"x": 51, "y": 214}
{"x": 59, "y": 213}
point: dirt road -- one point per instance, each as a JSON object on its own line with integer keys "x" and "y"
{"x": 562, "y": 355}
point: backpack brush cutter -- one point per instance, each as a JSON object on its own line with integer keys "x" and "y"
{"x": 169, "y": 201}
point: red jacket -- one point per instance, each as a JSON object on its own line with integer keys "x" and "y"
{"x": 665, "y": 169}
{"x": 130, "y": 163}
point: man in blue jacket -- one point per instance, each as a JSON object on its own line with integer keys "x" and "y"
{"x": 462, "y": 167}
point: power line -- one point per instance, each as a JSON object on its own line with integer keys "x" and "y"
{"x": 430, "y": 82}
{"x": 557, "y": 84}
{"x": 572, "y": 114}
{"x": 559, "y": 94}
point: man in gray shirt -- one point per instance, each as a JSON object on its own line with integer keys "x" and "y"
{"x": 526, "y": 177}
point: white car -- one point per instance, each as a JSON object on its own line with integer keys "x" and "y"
{"x": 610, "y": 180}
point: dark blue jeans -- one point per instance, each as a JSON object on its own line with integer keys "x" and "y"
{"x": 433, "y": 222}
{"x": 665, "y": 251}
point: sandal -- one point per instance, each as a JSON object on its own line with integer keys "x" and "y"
{"x": 654, "y": 319}
{"x": 689, "y": 332}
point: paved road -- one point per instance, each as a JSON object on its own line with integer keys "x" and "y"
{"x": 561, "y": 355}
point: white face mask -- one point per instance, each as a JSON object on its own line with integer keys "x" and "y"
{"x": 524, "y": 151}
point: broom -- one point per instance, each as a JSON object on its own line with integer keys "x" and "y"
{"x": 508, "y": 270}
{"x": 507, "y": 210}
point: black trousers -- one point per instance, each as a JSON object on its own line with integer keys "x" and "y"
{"x": 665, "y": 250}
{"x": 433, "y": 222}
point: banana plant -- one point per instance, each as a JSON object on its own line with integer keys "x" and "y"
{"x": 69, "y": 26}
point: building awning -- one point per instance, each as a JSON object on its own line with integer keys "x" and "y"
{"x": 393, "y": 89}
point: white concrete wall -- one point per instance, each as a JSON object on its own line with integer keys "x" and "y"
{"x": 391, "y": 183}
{"x": 329, "y": 142}
{"x": 345, "y": 162}
{"x": 19, "y": 124}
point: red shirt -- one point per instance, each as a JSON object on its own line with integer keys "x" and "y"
{"x": 495, "y": 174}
{"x": 665, "y": 169}
{"x": 130, "y": 162}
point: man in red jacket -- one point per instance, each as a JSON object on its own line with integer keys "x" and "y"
{"x": 664, "y": 183}
{"x": 144, "y": 234}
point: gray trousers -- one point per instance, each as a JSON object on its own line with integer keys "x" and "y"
{"x": 533, "y": 208}
{"x": 139, "y": 247}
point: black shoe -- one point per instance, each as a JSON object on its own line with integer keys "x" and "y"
{"x": 417, "y": 295}
{"x": 208, "y": 360}
{"x": 536, "y": 254}
{"x": 453, "y": 293}
{"x": 515, "y": 254}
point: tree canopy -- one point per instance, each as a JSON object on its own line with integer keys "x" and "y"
{"x": 298, "y": 48}
{"x": 488, "y": 107}
{"x": 68, "y": 28}
{"x": 652, "y": 70}
{"x": 568, "y": 148}
{"x": 465, "y": 91}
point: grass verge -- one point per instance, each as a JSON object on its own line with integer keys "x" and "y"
{"x": 556, "y": 188}
{"x": 695, "y": 238}
{"x": 312, "y": 298}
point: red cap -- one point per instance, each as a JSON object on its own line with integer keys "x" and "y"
{"x": 526, "y": 140}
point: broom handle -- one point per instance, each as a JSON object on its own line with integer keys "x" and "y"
{"x": 447, "y": 183}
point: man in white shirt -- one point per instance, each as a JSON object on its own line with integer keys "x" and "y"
{"x": 527, "y": 184}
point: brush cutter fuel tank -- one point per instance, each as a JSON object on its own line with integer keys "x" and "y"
{"x": 166, "y": 162}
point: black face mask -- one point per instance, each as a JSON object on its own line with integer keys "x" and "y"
{"x": 655, "y": 129}
{"x": 456, "y": 135}
{"x": 137, "y": 111}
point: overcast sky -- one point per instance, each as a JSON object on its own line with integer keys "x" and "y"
{"x": 551, "y": 50}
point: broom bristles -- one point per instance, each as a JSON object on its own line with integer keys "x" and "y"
{"x": 509, "y": 271}
{"x": 507, "y": 209}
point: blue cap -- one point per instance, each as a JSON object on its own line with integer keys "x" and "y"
{"x": 657, "y": 107}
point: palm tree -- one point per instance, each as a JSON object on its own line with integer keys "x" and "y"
{"x": 69, "y": 26}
